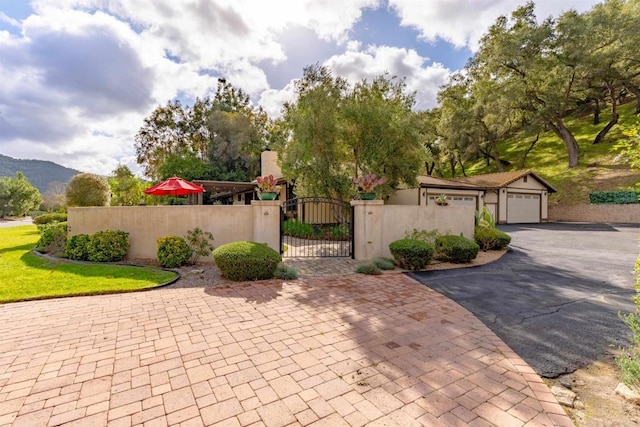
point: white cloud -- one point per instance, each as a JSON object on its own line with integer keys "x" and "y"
{"x": 400, "y": 62}
{"x": 464, "y": 22}
{"x": 77, "y": 77}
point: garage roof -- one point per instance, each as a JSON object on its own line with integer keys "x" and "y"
{"x": 482, "y": 182}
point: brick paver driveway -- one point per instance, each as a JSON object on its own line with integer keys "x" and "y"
{"x": 350, "y": 350}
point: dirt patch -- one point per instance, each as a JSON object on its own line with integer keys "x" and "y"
{"x": 598, "y": 404}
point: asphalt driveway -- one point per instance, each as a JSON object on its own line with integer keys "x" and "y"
{"x": 554, "y": 297}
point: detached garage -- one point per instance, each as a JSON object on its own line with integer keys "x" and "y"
{"x": 511, "y": 197}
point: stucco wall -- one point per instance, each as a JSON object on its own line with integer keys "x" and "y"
{"x": 376, "y": 225}
{"x": 404, "y": 197}
{"x": 596, "y": 213}
{"x": 146, "y": 223}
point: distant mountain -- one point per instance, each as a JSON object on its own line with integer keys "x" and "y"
{"x": 39, "y": 172}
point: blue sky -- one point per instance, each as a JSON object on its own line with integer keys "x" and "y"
{"x": 78, "y": 77}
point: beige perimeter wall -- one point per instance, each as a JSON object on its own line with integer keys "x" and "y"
{"x": 145, "y": 224}
{"x": 596, "y": 213}
{"x": 376, "y": 225}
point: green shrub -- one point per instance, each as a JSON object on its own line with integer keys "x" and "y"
{"x": 246, "y": 260}
{"x": 78, "y": 247}
{"x": 629, "y": 360}
{"x": 53, "y": 238}
{"x": 485, "y": 218}
{"x": 200, "y": 243}
{"x": 173, "y": 251}
{"x": 491, "y": 238}
{"x": 614, "y": 197}
{"x": 411, "y": 254}
{"x": 50, "y": 217}
{"x": 108, "y": 246}
{"x": 339, "y": 232}
{"x": 423, "y": 235}
{"x": 456, "y": 249}
{"x": 384, "y": 263}
{"x": 285, "y": 272}
{"x": 295, "y": 228}
{"x": 368, "y": 268}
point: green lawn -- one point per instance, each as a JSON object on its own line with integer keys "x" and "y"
{"x": 25, "y": 276}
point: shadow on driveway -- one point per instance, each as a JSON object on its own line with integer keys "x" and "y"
{"x": 557, "y": 319}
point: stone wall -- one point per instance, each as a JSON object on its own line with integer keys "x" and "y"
{"x": 596, "y": 213}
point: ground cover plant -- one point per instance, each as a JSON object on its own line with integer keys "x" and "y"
{"x": 629, "y": 360}
{"x": 24, "y": 275}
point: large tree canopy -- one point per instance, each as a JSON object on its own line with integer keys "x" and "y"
{"x": 529, "y": 76}
{"x": 17, "y": 196}
{"x": 336, "y": 132}
{"x": 219, "y": 138}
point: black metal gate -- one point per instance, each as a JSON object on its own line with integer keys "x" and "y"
{"x": 316, "y": 227}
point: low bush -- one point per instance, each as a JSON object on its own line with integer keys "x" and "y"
{"x": 173, "y": 251}
{"x": 411, "y": 254}
{"x": 368, "y": 268}
{"x": 456, "y": 249}
{"x": 423, "y": 235}
{"x": 48, "y": 218}
{"x": 200, "y": 243}
{"x": 108, "y": 246}
{"x": 491, "y": 238}
{"x": 285, "y": 272}
{"x": 628, "y": 360}
{"x": 614, "y": 197}
{"x": 295, "y": 228}
{"x": 246, "y": 260}
{"x": 53, "y": 238}
{"x": 78, "y": 247}
{"x": 384, "y": 263}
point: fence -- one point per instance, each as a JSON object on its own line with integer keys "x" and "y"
{"x": 375, "y": 225}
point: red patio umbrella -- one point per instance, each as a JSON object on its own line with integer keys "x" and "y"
{"x": 174, "y": 186}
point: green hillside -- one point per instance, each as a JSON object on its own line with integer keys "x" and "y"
{"x": 598, "y": 169}
{"x": 39, "y": 172}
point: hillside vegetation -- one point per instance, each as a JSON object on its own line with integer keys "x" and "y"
{"x": 40, "y": 173}
{"x": 598, "y": 169}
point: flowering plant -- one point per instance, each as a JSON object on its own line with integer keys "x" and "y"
{"x": 267, "y": 184}
{"x": 367, "y": 183}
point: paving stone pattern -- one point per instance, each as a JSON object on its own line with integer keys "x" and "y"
{"x": 339, "y": 351}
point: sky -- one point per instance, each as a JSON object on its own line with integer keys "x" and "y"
{"x": 78, "y": 77}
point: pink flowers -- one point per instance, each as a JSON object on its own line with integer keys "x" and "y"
{"x": 267, "y": 184}
{"x": 367, "y": 183}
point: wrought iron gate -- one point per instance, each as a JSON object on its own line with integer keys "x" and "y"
{"x": 316, "y": 227}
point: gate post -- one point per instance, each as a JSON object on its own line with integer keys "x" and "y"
{"x": 266, "y": 222}
{"x": 367, "y": 229}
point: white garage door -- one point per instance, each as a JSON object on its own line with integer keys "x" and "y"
{"x": 523, "y": 208}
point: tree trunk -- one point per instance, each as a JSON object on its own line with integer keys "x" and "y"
{"x": 596, "y": 112}
{"x": 527, "y": 151}
{"x": 569, "y": 140}
{"x": 430, "y": 166}
{"x": 614, "y": 117}
{"x": 636, "y": 91}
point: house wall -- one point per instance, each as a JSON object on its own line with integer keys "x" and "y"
{"x": 377, "y": 225}
{"x": 404, "y": 197}
{"x": 269, "y": 164}
{"x": 145, "y": 224}
{"x": 596, "y": 213}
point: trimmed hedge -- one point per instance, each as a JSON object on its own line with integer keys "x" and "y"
{"x": 48, "y": 218}
{"x": 491, "y": 238}
{"x": 78, "y": 247}
{"x": 108, "y": 246}
{"x": 173, "y": 251}
{"x": 456, "y": 249}
{"x": 411, "y": 254}
{"x": 244, "y": 260}
{"x": 614, "y": 197}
